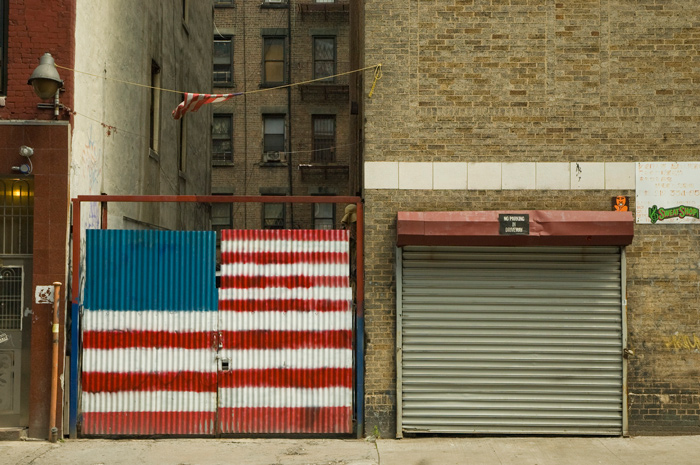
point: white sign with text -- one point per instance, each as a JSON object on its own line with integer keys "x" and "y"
{"x": 668, "y": 192}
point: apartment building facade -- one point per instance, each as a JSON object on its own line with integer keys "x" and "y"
{"x": 293, "y": 129}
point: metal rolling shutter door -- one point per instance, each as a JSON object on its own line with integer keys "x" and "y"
{"x": 511, "y": 340}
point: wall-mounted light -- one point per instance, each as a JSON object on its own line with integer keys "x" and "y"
{"x": 25, "y": 168}
{"x": 46, "y": 82}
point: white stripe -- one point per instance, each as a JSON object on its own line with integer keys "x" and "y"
{"x": 285, "y": 321}
{"x": 284, "y": 246}
{"x": 251, "y": 397}
{"x": 287, "y": 358}
{"x": 148, "y": 401}
{"x": 283, "y": 293}
{"x": 117, "y": 320}
{"x": 295, "y": 269}
{"x": 148, "y": 360}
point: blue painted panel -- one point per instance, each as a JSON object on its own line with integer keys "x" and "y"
{"x": 150, "y": 270}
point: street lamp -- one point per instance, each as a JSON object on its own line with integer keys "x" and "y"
{"x": 46, "y": 82}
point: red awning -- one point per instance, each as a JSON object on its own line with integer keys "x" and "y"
{"x": 546, "y": 227}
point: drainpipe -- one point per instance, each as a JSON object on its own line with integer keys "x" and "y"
{"x": 289, "y": 113}
{"x": 53, "y": 432}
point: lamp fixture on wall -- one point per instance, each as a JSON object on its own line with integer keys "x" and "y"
{"x": 25, "y": 168}
{"x": 46, "y": 82}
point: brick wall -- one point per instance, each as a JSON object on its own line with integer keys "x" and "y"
{"x": 542, "y": 81}
{"x": 37, "y": 27}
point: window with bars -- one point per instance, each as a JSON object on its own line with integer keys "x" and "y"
{"x": 222, "y": 139}
{"x": 324, "y": 58}
{"x": 324, "y": 138}
{"x": 273, "y": 61}
{"x": 223, "y": 61}
{"x": 16, "y": 216}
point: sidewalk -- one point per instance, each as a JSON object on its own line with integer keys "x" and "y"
{"x": 667, "y": 450}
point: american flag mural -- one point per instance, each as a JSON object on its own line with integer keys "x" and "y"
{"x": 286, "y": 332}
{"x": 149, "y": 333}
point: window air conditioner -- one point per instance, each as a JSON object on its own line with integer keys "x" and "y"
{"x": 271, "y": 157}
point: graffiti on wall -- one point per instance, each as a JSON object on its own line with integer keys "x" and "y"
{"x": 683, "y": 341}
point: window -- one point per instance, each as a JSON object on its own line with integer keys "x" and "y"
{"x": 273, "y": 61}
{"x": 324, "y": 57}
{"x": 324, "y": 138}
{"x": 273, "y": 216}
{"x": 274, "y": 133}
{"x": 221, "y": 217}
{"x": 185, "y": 11}
{"x": 324, "y": 216}
{"x": 182, "y": 152}
{"x": 4, "y": 24}
{"x": 223, "y": 61}
{"x": 154, "y": 123}
{"x": 222, "y": 139}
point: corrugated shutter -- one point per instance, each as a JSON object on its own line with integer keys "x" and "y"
{"x": 148, "y": 332}
{"x": 511, "y": 340}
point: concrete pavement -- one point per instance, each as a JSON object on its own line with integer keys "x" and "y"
{"x": 648, "y": 450}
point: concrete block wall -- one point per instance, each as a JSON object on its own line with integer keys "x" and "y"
{"x": 500, "y": 102}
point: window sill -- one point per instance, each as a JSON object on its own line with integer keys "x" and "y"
{"x": 272, "y": 164}
{"x": 221, "y": 163}
{"x": 228, "y": 85}
{"x": 270, "y": 85}
{"x": 274, "y": 6}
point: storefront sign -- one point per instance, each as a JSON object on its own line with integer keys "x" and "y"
{"x": 668, "y": 193}
{"x": 514, "y": 224}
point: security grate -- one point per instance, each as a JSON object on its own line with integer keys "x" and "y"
{"x": 16, "y": 216}
{"x": 10, "y": 298}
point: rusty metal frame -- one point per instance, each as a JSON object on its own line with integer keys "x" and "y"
{"x": 105, "y": 199}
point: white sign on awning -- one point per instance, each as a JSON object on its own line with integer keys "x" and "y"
{"x": 668, "y": 193}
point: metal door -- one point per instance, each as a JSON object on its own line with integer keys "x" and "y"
{"x": 511, "y": 340}
{"x": 149, "y": 333}
{"x": 286, "y": 332}
{"x": 15, "y": 320}
{"x": 157, "y": 357}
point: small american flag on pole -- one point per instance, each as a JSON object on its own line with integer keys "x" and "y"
{"x": 194, "y": 102}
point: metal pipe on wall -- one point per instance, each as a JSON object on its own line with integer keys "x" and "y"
{"x": 55, "y": 329}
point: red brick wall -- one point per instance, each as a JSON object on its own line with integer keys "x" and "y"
{"x": 37, "y": 27}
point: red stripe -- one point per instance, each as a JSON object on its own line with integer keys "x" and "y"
{"x": 286, "y": 420}
{"x": 246, "y": 340}
{"x": 309, "y": 378}
{"x": 284, "y": 258}
{"x": 168, "y": 381}
{"x": 289, "y": 282}
{"x": 279, "y": 305}
{"x": 285, "y": 234}
{"x": 147, "y": 339}
{"x": 148, "y": 423}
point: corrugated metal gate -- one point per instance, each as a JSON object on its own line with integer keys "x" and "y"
{"x": 158, "y": 358}
{"x": 510, "y": 340}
